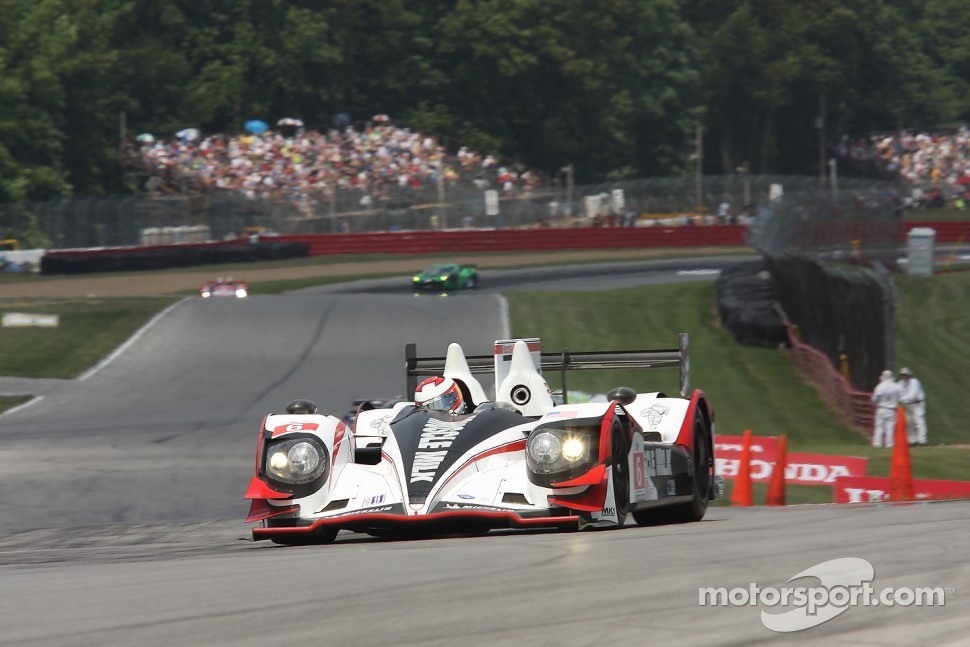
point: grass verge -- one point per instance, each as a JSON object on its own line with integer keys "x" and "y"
{"x": 11, "y": 401}
{"x": 89, "y": 330}
{"x": 753, "y": 388}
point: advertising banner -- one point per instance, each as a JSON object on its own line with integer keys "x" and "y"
{"x": 870, "y": 489}
{"x": 802, "y": 469}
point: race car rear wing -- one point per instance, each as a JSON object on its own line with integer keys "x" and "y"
{"x": 563, "y": 361}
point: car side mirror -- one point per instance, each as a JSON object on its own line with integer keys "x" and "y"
{"x": 301, "y": 407}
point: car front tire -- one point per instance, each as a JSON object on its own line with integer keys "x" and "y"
{"x": 702, "y": 478}
{"x": 621, "y": 472}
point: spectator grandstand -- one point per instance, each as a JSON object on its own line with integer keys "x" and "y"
{"x": 380, "y": 161}
{"x": 936, "y": 164}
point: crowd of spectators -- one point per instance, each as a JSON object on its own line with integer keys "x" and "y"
{"x": 362, "y": 168}
{"x": 935, "y": 164}
{"x": 373, "y": 162}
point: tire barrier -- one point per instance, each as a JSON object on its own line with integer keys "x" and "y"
{"x": 839, "y": 311}
{"x": 746, "y": 305}
{"x": 136, "y": 259}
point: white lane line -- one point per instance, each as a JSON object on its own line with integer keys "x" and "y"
{"x": 503, "y": 307}
{"x": 697, "y": 272}
{"x": 131, "y": 340}
{"x": 23, "y": 405}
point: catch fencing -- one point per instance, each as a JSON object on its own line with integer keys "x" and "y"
{"x": 854, "y": 403}
{"x": 792, "y": 212}
{"x": 863, "y": 227}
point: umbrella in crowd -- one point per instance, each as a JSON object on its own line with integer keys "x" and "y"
{"x": 256, "y": 126}
{"x": 381, "y": 118}
{"x": 145, "y": 138}
{"x": 289, "y": 126}
{"x": 188, "y": 134}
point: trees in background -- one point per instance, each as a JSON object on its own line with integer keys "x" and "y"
{"x": 777, "y": 72}
{"x": 617, "y": 88}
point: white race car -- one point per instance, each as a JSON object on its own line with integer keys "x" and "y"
{"x": 516, "y": 461}
{"x": 224, "y": 287}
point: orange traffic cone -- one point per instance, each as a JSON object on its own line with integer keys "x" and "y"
{"x": 776, "y": 488}
{"x": 741, "y": 494}
{"x": 900, "y": 469}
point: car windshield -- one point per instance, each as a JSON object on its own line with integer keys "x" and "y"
{"x": 439, "y": 269}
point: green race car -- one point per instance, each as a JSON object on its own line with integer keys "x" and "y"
{"x": 447, "y": 276}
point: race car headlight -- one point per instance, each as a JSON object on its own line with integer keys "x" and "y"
{"x": 551, "y": 450}
{"x": 241, "y": 293}
{"x": 206, "y": 294}
{"x": 444, "y": 277}
{"x": 416, "y": 279}
{"x": 296, "y": 461}
{"x": 544, "y": 449}
{"x": 573, "y": 449}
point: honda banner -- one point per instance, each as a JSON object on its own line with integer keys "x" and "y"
{"x": 869, "y": 489}
{"x": 802, "y": 469}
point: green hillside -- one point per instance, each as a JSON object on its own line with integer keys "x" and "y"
{"x": 757, "y": 388}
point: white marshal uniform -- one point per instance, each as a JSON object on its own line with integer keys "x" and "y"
{"x": 886, "y": 396}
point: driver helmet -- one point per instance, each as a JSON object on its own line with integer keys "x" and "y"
{"x": 440, "y": 393}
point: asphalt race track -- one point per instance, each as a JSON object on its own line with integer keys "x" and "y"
{"x": 206, "y": 584}
{"x": 579, "y": 277}
{"x": 166, "y": 430}
{"x": 121, "y": 510}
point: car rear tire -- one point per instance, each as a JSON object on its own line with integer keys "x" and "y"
{"x": 472, "y": 283}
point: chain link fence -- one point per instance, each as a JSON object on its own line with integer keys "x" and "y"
{"x": 792, "y": 213}
{"x": 859, "y": 226}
